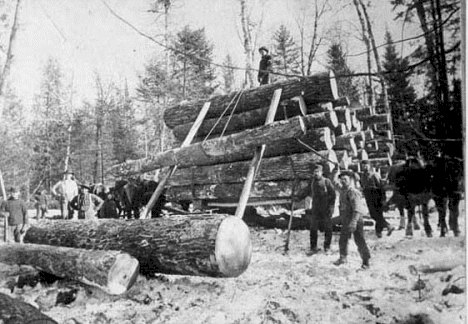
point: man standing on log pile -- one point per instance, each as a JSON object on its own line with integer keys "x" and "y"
{"x": 17, "y": 212}
{"x": 86, "y": 203}
{"x": 264, "y": 67}
{"x": 374, "y": 193}
{"x": 67, "y": 190}
{"x": 351, "y": 213}
{"x": 323, "y": 197}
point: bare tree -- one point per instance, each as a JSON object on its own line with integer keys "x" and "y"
{"x": 320, "y": 9}
{"x": 9, "y": 54}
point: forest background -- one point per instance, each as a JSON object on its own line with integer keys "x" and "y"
{"x": 83, "y": 84}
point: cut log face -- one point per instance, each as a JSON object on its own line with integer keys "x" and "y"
{"x": 185, "y": 245}
{"x": 344, "y": 142}
{"x": 112, "y": 271}
{"x": 15, "y": 311}
{"x": 316, "y": 88}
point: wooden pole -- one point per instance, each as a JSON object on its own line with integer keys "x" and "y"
{"x": 188, "y": 140}
{"x": 5, "y": 219}
{"x": 257, "y": 157}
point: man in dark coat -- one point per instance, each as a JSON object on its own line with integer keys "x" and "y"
{"x": 264, "y": 67}
{"x": 323, "y": 197}
{"x": 17, "y": 212}
{"x": 374, "y": 193}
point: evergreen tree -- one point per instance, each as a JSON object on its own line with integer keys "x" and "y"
{"x": 338, "y": 64}
{"x": 191, "y": 64}
{"x": 228, "y": 74}
{"x": 401, "y": 94}
{"x": 286, "y": 54}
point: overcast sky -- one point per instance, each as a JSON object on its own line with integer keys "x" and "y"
{"x": 86, "y": 38}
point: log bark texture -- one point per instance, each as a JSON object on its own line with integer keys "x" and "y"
{"x": 248, "y": 120}
{"x": 316, "y": 88}
{"x": 15, "y": 311}
{"x": 236, "y": 147}
{"x": 111, "y": 271}
{"x": 344, "y": 142}
{"x": 296, "y": 166}
{"x": 344, "y": 117}
{"x": 200, "y": 245}
{"x": 261, "y": 190}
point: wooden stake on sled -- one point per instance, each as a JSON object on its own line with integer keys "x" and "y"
{"x": 188, "y": 140}
{"x": 256, "y": 160}
{"x": 5, "y": 219}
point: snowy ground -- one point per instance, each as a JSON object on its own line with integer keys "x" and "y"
{"x": 281, "y": 288}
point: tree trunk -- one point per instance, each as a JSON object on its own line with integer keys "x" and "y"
{"x": 9, "y": 54}
{"x": 236, "y": 147}
{"x": 297, "y": 166}
{"x": 16, "y": 311}
{"x": 248, "y": 45}
{"x": 112, "y": 271}
{"x": 199, "y": 245}
{"x": 261, "y": 190}
{"x": 251, "y": 119}
{"x": 317, "y": 88}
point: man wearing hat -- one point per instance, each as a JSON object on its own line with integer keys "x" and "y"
{"x": 374, "y": 193}
{"x": 86, "y": 203}
{"x": 17, "y": 212}
{"x": 323, "y": 197}
{"x": 66, "y": 189}
{"x": 264, "y": 67}
{"x": 352, "y": 210}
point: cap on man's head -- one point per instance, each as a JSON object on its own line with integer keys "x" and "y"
{"x": 263, "y": 48}
{"x": 348, "y": 173}
{"x": 13, "y": 190}
{"x": 318, "y": 167}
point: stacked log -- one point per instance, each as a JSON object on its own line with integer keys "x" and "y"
{"x": 312, "y": 125}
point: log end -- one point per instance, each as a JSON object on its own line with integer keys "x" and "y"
{"x": 123, "y": 274}
{"x": 233, "y": 247}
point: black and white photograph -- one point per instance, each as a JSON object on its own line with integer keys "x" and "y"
{"x": 233, "y": 162}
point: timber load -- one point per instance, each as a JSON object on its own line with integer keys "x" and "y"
{"x": 310, "y": 125}
{"x": 198, "y": 245}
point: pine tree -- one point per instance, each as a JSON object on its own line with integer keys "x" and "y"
{"x": 228, "y": 74}
{"x": 401, "y": 94}
{"x": 286, "y": 54}
{"x": 338, "y": 64}
{"x": 191, "y": 64}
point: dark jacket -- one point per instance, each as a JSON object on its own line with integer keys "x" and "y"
{"x": 17, "y": 210}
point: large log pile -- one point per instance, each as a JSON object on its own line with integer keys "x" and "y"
{"x": 312, "y": 125}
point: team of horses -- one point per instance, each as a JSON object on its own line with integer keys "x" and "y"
{"x": 415, "y": 182}
{"x": 131, "y": 195}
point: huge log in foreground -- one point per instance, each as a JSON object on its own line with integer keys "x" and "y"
{"x": 236, "y": 147}
{"x": 316, "y": 88}
{"x": 200, "y": 245}
{"x": 15, "y": 311}
{"x": 112, "y": 271}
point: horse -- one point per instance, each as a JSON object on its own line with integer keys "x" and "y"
{"x": 134, "y": 194}
{"x": 418, "y": 182}
{"x": 447, "y": 187}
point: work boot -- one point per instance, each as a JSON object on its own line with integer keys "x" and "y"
{"x": 313, "y": 251}
{"x": 340, "y": 261}
{"x": 365, "y": 265}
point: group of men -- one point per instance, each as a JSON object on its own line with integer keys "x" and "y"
{"x": 320, "y": 207}
{"x": 76, "y": 202}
